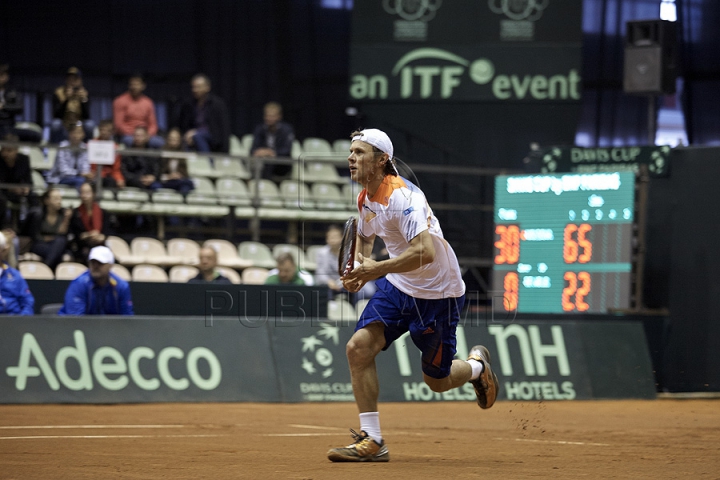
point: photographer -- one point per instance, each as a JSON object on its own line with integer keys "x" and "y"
{"x": 70, "y": 106}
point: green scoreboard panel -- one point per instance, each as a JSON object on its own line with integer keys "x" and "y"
{"x": 563, "y": 243}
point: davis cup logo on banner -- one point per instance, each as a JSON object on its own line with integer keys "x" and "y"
{"x": 414, "y": 14}
{"x": 318, "y": 353}
{"x": 521, "y": 14}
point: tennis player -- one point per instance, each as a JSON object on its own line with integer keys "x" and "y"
{"x": 422, "y": 292}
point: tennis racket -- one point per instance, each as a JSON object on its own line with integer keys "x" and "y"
{"x": 346, "y": 259}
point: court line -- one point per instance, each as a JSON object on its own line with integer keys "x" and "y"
{"x": 559, "y": 442}
{"x": 316, "y": 427}
{"x": 301, "y": 434}
{"x": 45, "y": 437}
{"x": 32, "y": 427}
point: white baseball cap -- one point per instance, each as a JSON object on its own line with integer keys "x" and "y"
{"x": 102, "y": 255}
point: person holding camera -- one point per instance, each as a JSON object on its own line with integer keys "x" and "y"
{"x": 70, "y": 106}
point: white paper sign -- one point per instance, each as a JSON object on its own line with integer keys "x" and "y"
{"x": 101, "y": 152}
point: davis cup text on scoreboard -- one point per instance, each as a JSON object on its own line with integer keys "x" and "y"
{"x": 563, "y": 243}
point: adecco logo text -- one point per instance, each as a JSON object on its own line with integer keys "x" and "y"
{"x": 425, "y": 81}
{"x": 109, "y": 369}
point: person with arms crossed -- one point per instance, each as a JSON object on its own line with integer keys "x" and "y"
{"x": 15, "y": 296}
{"x": 98, "y": 291}
{"x": 422, "y": 292}
{"x": 288, "y": 273}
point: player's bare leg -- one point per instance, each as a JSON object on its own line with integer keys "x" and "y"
{"x": 460, "y": 373}
{"x": 361, "y": 350}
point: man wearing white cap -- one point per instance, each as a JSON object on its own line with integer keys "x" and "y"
{"x": 98, "y": 291}
{"x": 15, "y": 296}
{"x": 421, "y": 292}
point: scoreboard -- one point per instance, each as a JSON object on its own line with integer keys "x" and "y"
{"x": 563, "y": 243}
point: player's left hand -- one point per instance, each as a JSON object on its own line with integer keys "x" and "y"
{"x": 361, "y": 274}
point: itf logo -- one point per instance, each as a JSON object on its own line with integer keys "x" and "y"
{"x": 414, "y": 14}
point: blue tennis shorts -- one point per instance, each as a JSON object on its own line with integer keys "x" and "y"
{"x": 431, "y": 323}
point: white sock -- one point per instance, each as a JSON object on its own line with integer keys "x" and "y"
{"x": 477, "y": 368}
{"x": 370, "y": 422}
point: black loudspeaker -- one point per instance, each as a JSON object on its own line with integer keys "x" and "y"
{"x": 650, "y": 57}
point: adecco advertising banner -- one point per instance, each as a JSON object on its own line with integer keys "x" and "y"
{"x": 111, "y": 360}
{"x": 150, "y": 359}
{"x": 548, "y": 360}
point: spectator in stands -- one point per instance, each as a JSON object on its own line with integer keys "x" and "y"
{"x": 111, "y": 175}
{"x": 70, "y": 106}
{"x": 287, "y": 273}
{"x": 326, "y": 272}
{"x": 139, "y": 170}
{"x": 10, "y": 104}
{"x": 89, "y": 223}
{"x": 15, "y": 296}
{"x": 205, "y": 121}
{"x": 208, "y": 268}
{"x": 273, "y": 138}
{"x": 174, "y": 170}
{"x": 14, "y": 168}
{"x": 134, "y": 108}
{"x": 98, "y": 291}
{"x": 49, "y": 228}
{"x": 72, "y": 166}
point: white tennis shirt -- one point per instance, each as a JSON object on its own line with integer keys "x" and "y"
{"x": 397, "y": 213}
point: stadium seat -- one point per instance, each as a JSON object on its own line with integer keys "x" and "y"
{"x": 50, "y": 156}
{"x": 247, "y": 141}
{"x": 132, "y": 194}
{"x": 311, "y": 257}
{"x": 187, "y": 251}
{"x": 268, "y": 191}
{"x": 39, "y": 184}
{"x": 69, "y": 270}
{"x": 296, "y": 150}
{"x": 231, "y": 167}
{"x": 149, "y": 273}
{"x": 31, "y": 126}
{"x": 254, "y": 275}
{"x": 121, "y": 272}
{"x": 297, "y": 253}
{"x": 322, "y": 172}
{"x": 313, "y": 145}
{"x": 38, "y": 161}
{"x": 341, "y": 146}
{"x": 152, "y": 251}
{"x": 233, "y": 192}
{"x": 230, "y": 274}
{"x": 340, "y": 309}
{"x": 32, "y": 270}
{"x": 203, "y": 194}
{"x": 167, "y": 195}
{"x": 200, "y": 166}
{"x": 237, "y": 147}
{"x": 296, "y": 194}
{"x": 328, "y": 197}
{"x": 227, "y": 253}
{"x": 121, "y": 250}
{"x": 182, "y": 273}
{"x": 256, "y": 254}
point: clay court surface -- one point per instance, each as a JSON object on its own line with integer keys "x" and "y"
{"x": 581, "y": 439}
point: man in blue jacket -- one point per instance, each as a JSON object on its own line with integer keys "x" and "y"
{"x": 15, "y": 296}
{"x": 98, "y": 291}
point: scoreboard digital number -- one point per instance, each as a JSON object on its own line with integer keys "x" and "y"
{"x": 563, "y": 243}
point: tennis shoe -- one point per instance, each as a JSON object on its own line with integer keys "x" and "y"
{"x": 363, "y": 449}
{"x": 486, "y": 385}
